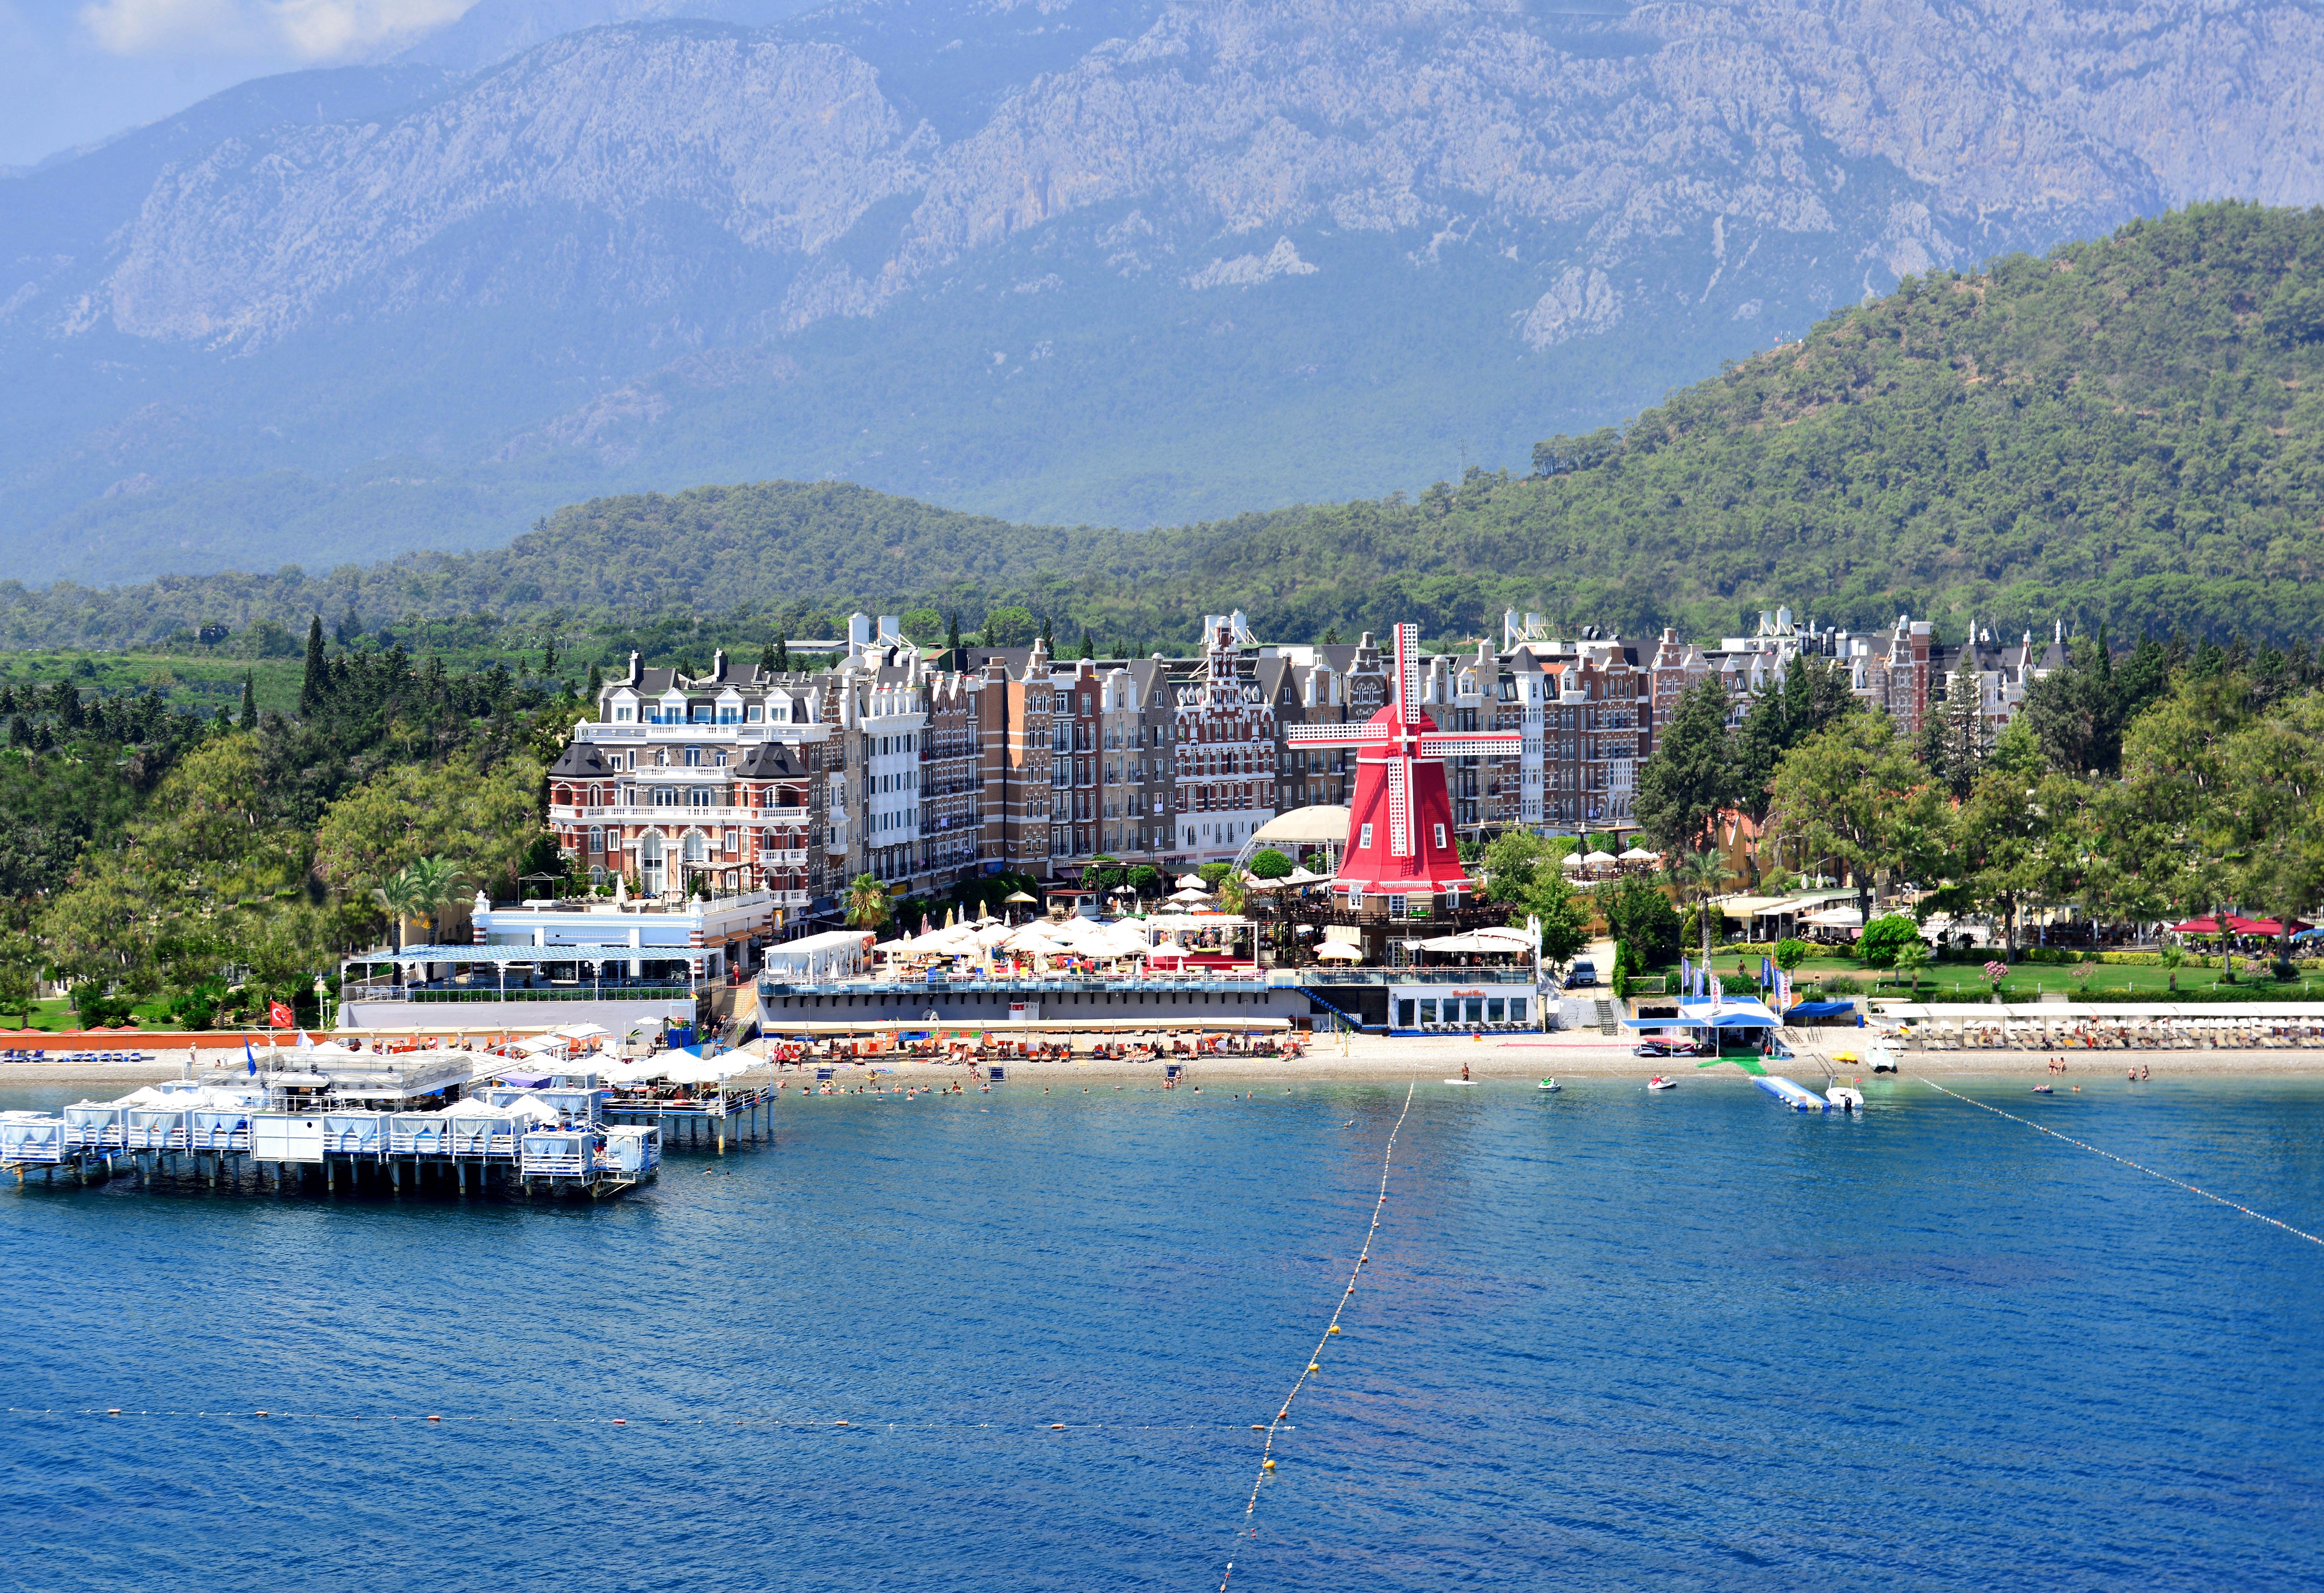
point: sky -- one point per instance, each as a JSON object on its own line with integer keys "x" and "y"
{"x": 74, "y": 72}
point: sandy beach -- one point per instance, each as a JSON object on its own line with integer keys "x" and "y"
{"x": 1372, "y": 1059}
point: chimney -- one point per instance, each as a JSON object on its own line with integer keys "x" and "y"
{"x": 718, "y": 665}
{"x": 634, "y": 671}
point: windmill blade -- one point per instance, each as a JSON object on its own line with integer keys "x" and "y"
{"x": 1338, "y": 735}
{"x": 1407, "y": 673}
{"x": 1470, "y": 745}
{"x": 1399, "y": 808}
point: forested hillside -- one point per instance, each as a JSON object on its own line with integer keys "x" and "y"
{"x": 2128, "y": 432}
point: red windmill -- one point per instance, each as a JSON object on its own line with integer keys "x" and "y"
{"x": 1400, "y": 823}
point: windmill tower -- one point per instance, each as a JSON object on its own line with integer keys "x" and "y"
{"x": 1400, "y": 839}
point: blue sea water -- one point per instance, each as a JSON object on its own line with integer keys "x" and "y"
{"x": 1609, "y": 1340}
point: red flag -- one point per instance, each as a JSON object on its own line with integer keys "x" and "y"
{"x": 280, "y": 1017}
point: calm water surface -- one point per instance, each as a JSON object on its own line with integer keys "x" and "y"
{"x": 1610, "y": 1340}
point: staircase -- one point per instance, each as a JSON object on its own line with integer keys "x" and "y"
{"x": 1609, "y": 1017}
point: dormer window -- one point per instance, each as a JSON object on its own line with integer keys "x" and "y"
{"x": 620, "y": 714}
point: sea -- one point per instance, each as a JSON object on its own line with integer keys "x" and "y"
{"x": 1022, "y": 1341}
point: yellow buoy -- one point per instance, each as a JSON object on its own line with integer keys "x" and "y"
{"x": 1269, "y": 1466}
{"x": 1333, "y": 1329}
{"x": 1314, "y": 1367}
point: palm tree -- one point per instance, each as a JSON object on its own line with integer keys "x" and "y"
{"x": 867, "y": 902}
{"x": 435, "y": 885}
{"x": 1701, "y": 874}
{"x": 394, "y": 895}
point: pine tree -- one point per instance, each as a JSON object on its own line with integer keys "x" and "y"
{"x": 1962, "y": 746}
{"x": 249, "y": 703}
{"x": 767, "y": 659}
{"x": 317, "y": 679}
{"x": 597, "y": 684}
{"x": 1089, "y": 644}
{"x": 548, "y": 657}
{"x": 782, "y": 652}
{"x": 1049, "y": 637}
{"x": 952, "y": 632}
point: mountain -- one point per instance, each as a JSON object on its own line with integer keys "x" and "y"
{"x": 1126, "y": 262}
{"x": 2128, "y": 432}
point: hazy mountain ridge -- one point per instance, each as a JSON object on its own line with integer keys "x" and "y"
{"x": 1113, "y": 259}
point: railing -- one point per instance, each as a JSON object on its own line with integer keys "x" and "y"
{"x": 534, "y": 1164}
{"x": 1011, "y": 987}
{"x": 612, "y": 990}
{"x": 1385, "y": 976}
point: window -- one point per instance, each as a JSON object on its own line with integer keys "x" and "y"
{"x": 734, "y": 840}
{"x": 696, "y": 850}
{"x": 665, "y": 797}
{"x": 1440, "y": 837}
{"x": 1493, "y": 1009}
{"x": 698, "y": 797}
{"x": 1404, "y": 1015}
{"x": 622, "y": 714}
{"x": 1364, "y": 839}
{"x": 1428, "y": 1012}
{"x": 1517, "y": 1010}
{"x": 718, "y": 758}
{"x": 754, "y": 713}
{"x": 596, "y": 839}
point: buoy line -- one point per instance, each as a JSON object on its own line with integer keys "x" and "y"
{"x": 859, "y": 1424}
{"x": 2134, "y": 1166}
{"x": 1316, "y": 1361}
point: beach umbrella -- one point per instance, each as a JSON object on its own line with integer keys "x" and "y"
{"x": 1599, "y": 859}
{"x": 1571, "y": 860}
{"x": 1192, "y": 893}
{"x": 1341, "y": 951}
{"x": 1639, "y": 854}
{"x": 1014, "y": 896}
{"x": 1190, "y": 882}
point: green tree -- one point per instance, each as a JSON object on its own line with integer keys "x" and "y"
{"x": 1643, "y": 919}
{"x": 1884, "y": 937}
{"x": 1853, "y": 794}
{"x": 396, "y": 896}
{"x": 2274, "y": 811}
{"x": 1812, "y": 697}
{"x": 867, "y": 902}
{"x": 1700, "y": 876}
{"x": 1913, "y": 959}
{"x": 316, "y": 684}
{"x": 1522, "y": 870}
{"x": 924, "y": 626}
{"x": 952, "y": 632}
{"x": 1691, "y": 776}
{"x": 436, "y": 883}
{"x": 249, "y": 703}
{"x": 1008, "y": 627}
{"x": 1266, "y": 863}
{"x": 1790, "y": 953}
{"x": 2021, "y": 833}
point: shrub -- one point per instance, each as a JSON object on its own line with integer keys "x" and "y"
{"x": 1266, "y": 863}
{"x": 1790, "y": 953}
{"x": 1883, "y": 937}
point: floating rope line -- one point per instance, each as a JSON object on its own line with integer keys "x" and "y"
{"x": 796, "y": 1423}
{"x": 1316, "y": 1361}
{"x": 2134, "y": 1166}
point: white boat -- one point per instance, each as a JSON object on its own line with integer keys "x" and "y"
{"x": 1845, "y": 1099}
{"x": 1551, "y": 1085}
{"x": 1460, "y": 1082}
{"x": 1659, "y": 1082}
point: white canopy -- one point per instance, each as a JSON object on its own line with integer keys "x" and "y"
{"x": 1486, "y": 941}
{"x": 1190, "y": 893}
{"x": 1341, "y": 951}
{"x": 1597, "y": 858}
{"x": 1571, "y": 860}
{"x": 1836, "y": 919}
{"x": 1191, "y": 882}
{"x": 1639, "y": 854}
{"x": 1302, "y": 877}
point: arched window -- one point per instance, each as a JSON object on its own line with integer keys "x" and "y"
{"x": 650, "y": 862}
{"x": 694, "y": 851}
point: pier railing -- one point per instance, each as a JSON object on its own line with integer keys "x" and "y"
{"x": 609, "y": 992}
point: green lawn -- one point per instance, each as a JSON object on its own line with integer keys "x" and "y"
{"x": 55, "y": 1017}
{"x": 2027, "y": 982}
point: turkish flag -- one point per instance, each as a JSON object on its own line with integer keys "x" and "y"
{"x": 280, "y": 1017}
